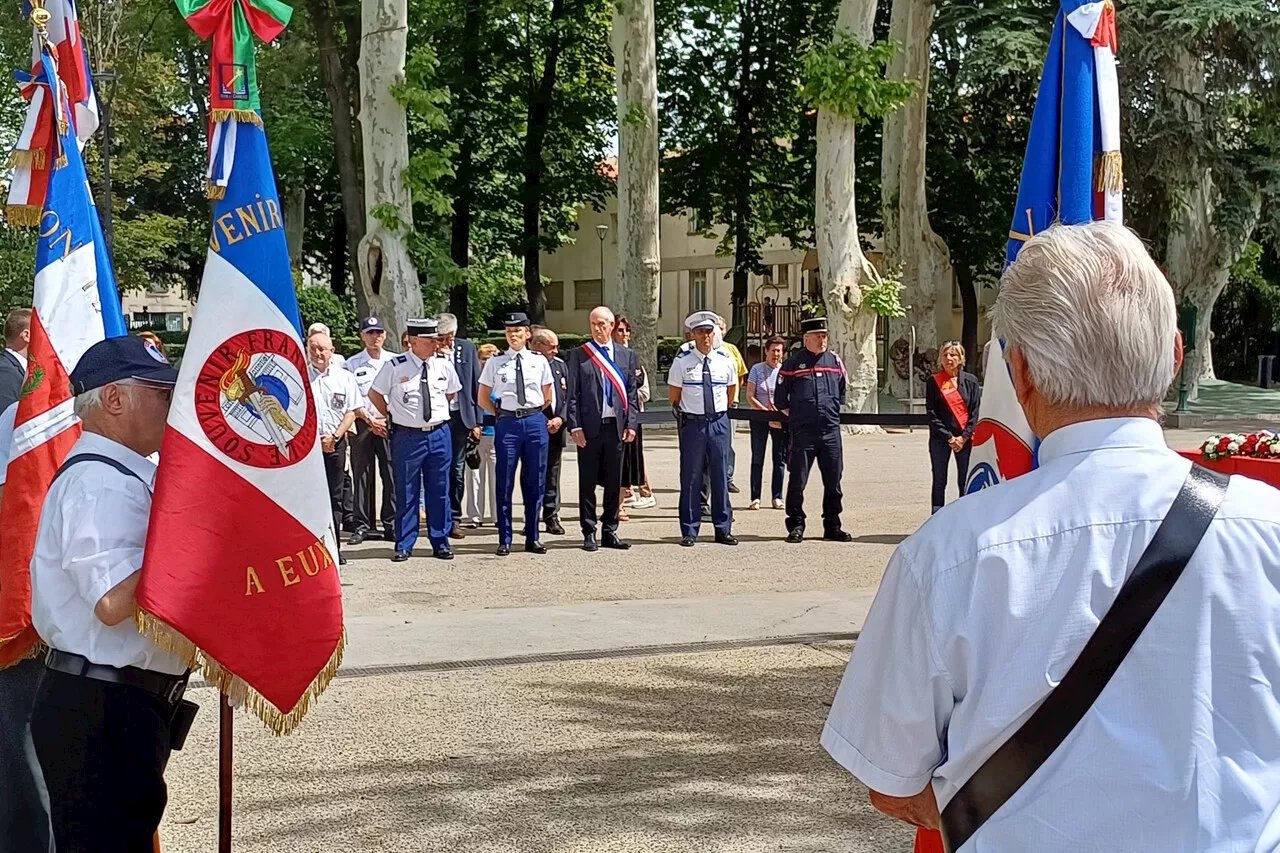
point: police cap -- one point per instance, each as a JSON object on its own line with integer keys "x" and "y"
{"x": 516, "y": 318}
{"x": 423, "y": 328}
{"x": 701, "y": 320}
{"x": 813, "y": 324}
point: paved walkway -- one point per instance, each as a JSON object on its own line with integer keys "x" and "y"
{"x": 716, "y": 751}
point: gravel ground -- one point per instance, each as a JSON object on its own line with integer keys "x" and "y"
{"x": 706, "y": 752}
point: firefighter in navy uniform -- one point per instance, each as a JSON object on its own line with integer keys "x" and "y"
{"x": 811, "y": 390}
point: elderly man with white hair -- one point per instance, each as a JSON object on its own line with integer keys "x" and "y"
{"x": 1085, "y": 657}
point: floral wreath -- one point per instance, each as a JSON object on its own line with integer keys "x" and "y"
{"x": 1263, "y": 444}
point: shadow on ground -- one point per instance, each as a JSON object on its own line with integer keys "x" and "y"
{"x": 686, "y": 753}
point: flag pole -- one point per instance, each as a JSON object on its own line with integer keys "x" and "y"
{"x": 224, "y": 775}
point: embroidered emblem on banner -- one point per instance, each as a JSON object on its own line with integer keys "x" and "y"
{"x": 252, "y": 401}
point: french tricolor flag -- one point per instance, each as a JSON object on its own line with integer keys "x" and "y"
{"x": 1072, "y": 174}
{"x": 75, "y": 306}
{"x": 240, "y": 575}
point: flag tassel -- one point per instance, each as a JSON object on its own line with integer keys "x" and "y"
{"x": 23, "y": 215}
{"x": 24, "y": 158}
{"x": 245, "y": 116}
{"x": 1110, "y": 173}
{"x": 233, "y": 687}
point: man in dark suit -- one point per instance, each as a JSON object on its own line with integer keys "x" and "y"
{"x": 604, "y": 378}
{"x": 13, "y": 361}
{"x": 465, "y": 414}
{"x": 547, "y": 344}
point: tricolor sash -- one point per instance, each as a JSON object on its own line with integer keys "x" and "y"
{"x": 608, "y": 369}
{"x": 950, "y": 389}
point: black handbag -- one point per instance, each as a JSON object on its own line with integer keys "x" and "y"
{"x": 1158, "y": 569}
{"x": 472, "y": 455}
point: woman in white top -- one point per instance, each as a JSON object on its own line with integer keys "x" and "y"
{"x": 635, "y": 479}
{"x": 762, "y": 381}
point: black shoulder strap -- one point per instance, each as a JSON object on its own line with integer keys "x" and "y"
{"x": 1158, "y": 569}
{"x": 106, "y": 460}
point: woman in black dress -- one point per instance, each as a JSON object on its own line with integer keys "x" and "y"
{"x": 951, "y": 400}
{"x": 635, "y": 480}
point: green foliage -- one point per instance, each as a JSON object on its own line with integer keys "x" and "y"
{"x": 1246, "y": 320}
{"x": 321, "y": 305}
{"x": 847, "y": 77}
{"x": 739, "y": 133}
{"x": 145, "y": 245}
{"x": 884, "y": 296}
{"x": 490, "y": 284}
{"x": 17, "y": 267}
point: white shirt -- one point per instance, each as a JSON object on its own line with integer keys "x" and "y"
{"x": 400, "y": 382}
{"x": 22, "y": 359}
{"x": 686, "y": 373}
{"x": 92, "y": 532}
{"x": 336, "y": 393}
{"x": 609, "y": 409}
{"x": 499, "y": 373}
{"x": 984, "y": 609}
{"x": 366, "y": 367}
{"x": 7, "y": 420}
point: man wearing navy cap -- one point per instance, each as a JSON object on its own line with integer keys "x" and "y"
{"x": 371, "y": 443}
{"x": 514, "y": 387}
{"x": 811, "y": 389}
{"x": 108, "y": 705}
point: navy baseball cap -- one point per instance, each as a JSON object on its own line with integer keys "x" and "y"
{"x": 516, "y": 318}
{"x": 372, "y": 324}
{"x": 118, "y": 359}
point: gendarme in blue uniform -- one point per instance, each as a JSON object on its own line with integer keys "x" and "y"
{"x": 811, "y": 389}
{"x": 705, "y": 382}
{"x": 520, "y": 380}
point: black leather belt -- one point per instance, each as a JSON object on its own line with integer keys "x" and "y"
{"x": 608, "y": 420}
{"x": 169, "y": 688}
{"x": 517, "y": 413}
{"x": 431, "y": 428}
{"x": 717, "y": 416}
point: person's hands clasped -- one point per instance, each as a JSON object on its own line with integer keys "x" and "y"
{"x": 956, "y": 442}
{"x": 327, "y": 443}
{"x": 553, "y": 425}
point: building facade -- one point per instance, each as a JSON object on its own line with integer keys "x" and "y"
{"x": 159, "y": 308}
{"x": 584, "y": 274}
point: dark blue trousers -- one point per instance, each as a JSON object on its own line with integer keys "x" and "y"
{"x": 820, "y": 444}
{"x": 422, "y": 463}
{"x": 523, "y": 440}
{"x": 24, "y": 801}
{"x": 704, "y": 446}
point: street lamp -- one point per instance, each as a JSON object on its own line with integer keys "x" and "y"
{"x": 601, "y": 231}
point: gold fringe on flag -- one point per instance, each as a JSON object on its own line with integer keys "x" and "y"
{"x": 60, "y": 162}
{"x": 215, "y": 192}
{"x": 1110, "y": 172}
{"x": 231, "y": 685}
{"x": 63, "y": 127}
{"x": 23, "y": 215}
{"x": 246, "y": 116}
{"x": 23, "y": 158}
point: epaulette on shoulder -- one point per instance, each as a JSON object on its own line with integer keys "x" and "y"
{"x": 400, "y": 359}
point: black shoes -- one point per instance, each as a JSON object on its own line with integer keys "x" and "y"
{"x": 358, "y": 537}
{"x": 503, "y": 550}
{"x": 838, "y": 536}
{"x": 687, "y": 542}
{"x": 589, "y": 543}
{"x": 796, "y": 535}
{"x": 342, "y": 561}
{"x": 615, "y": 543}
{"x": 535, "y": 547}
{"x": 726, "y": 539}
{"x": 733, "y": 489}
{"x": 400, "y": 556}
{"x": 443, "y": 554}
{"x": 554, "y": 528}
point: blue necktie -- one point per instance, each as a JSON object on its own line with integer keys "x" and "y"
{"x": 708, "y": 395}
{"x": 608, "y": 386}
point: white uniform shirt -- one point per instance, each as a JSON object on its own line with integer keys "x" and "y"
{"x": 499, "y": 373}
{"x": 686, "y": 374}
{"x": 336, "y": 393}
{"x": 7, "y": 420}
{"x": 400, "y": 383}
{"x": 91, "y": 536}
{"x": 983, "y": 610}
{"x": 366, "y": 367}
